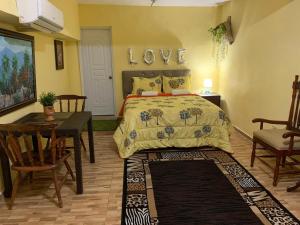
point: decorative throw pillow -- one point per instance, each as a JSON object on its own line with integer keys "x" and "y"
{"x": 141, "y": 84}
{"x": 170, "y": 83}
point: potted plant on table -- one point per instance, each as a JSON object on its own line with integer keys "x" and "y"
{"x": 47, "y": 99}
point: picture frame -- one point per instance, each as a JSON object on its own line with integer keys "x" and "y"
{"x": 17, "y": 71}
{"x": 59, "y": 54}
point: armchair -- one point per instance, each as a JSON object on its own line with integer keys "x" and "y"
{"x": 282, "y": 142}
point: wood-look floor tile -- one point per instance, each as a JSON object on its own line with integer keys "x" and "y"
{"x": 101, "y": 202}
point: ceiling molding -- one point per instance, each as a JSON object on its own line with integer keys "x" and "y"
{"x": 176, "y": 3}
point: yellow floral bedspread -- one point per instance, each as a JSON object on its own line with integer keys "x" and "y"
{"x": 171, "y": 121}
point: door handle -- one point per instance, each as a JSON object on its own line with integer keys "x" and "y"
{"x": 110, "y": 77}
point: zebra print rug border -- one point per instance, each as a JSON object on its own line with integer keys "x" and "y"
{"x": 267, "y": 207}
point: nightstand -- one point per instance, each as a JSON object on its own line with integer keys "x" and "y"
{"x": 212, "y": 97}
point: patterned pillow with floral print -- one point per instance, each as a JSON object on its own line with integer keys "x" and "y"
{"x": 170, "y": 83}
{"x": 141, "y": 84}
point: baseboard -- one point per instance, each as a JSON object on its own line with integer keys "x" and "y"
{"x": 243, "y": 133}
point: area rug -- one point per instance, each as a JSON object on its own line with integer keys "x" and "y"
{"x": 105, "y": 125}
{"x": 196, "y": 187}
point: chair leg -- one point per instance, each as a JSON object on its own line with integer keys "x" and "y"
{"x": 276, "y": 170}
{"x": 30, "y": 177}
{"x": 14, "y": 191}
{"x": 283, "y": 161}
{"x": 82, "y": 143}
{"x": 57, "y": 188}
{"x": 253, "y": 153}
{"x": 289, "y": 189}
{"x": 69, "y": 169}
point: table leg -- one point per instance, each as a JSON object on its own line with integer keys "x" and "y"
{"x": 6, "y": 174}
{"x": 91, "y": 140}
{"x": 78, "y": 166}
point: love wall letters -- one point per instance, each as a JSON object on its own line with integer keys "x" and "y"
{"x": 165, "y": 54}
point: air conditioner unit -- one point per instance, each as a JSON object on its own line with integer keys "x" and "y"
{"x": 40, "y": 15}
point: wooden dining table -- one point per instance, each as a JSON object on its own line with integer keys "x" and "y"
{"x": 69, "y": 125}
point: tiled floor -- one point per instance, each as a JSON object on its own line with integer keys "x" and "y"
{"x": 101, "y": 202}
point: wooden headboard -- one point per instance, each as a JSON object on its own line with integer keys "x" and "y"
{"x": 127, "y": 76}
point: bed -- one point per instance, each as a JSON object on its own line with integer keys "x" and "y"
{"x": 163, "y": 121}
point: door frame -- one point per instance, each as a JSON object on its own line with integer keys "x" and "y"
{"x": 112, "y": 63}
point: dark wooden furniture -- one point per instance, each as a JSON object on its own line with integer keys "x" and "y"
{"x": 16, "y": 141}
{"x": 282, "y": 142}
{"x": 127, "y": 77}
{"x": 297, "y": 185}
{"x": 69, "y": 125}
{"x": 213, "y": 98}
{"x": 72, "y": 103}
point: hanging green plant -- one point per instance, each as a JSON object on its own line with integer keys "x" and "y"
{"x": 222, "y": 36}
{"x": 218, "y": 33}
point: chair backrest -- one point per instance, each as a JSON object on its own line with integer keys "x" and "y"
{"x": 72, "y": 101}
{"x": 294, "y": 116}
{"x": 16, "y": 140}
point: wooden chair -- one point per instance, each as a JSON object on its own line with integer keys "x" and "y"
{"x": 17, "y": 142}
{"x": 69, "y": 99}
{"x": 297, "y": 185}
{"x": 282, "y": 142}
{"x": 71, "y": 103}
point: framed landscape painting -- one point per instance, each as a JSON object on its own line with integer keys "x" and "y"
{"x": 17, "y": 71}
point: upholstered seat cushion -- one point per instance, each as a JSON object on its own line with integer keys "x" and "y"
{"x": 273, "y": 137}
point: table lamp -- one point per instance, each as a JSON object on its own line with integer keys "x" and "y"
{"x": 207, "y": 86}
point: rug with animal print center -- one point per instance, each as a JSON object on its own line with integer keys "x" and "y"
{"x": 196, "y": 187}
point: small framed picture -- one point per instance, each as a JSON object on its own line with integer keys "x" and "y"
{"x": 59, "y": 54}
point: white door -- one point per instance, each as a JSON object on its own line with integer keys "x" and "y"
{"x": 96, "y": 64}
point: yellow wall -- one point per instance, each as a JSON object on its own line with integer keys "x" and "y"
{"x": 72, "y": 60}
{"x": 47, "y": 77}
{"x": 256, "y": 77}
{"x": 9, "y": 6}
{"x": 68, "y": 7}
{"x": 156, "y": 27}
{"x": 71, "y": 20}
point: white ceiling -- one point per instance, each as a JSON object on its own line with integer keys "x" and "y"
{"x": 184, "y": 3}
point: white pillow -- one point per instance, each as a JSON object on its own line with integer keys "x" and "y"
{"x": 180, "y": 91}
{"x": 149, "y": 93}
